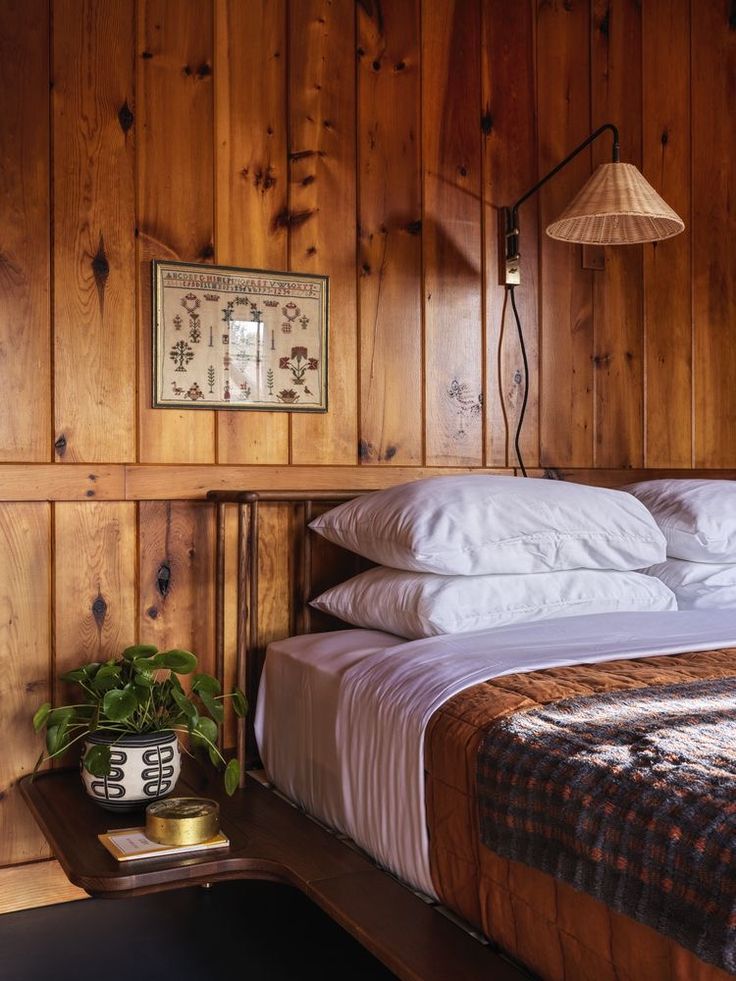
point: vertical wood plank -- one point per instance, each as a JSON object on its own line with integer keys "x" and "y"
{"x": 175, "y": 153}
{"x": 667, "y": 269}
{"x": 714, "y": 230}
{"x": 177, "y": 577}
{"x": 251, "y": 181}
{"x": 322, "y": 208}
{"x": 230, "y": 735}
{"x": 94, "y": 231}
{"x": 95, "y": 563}
{"x": 34, "y": 885}
{"x": 566, "y": 290}
{"x": 275, "y": 577}
{"x": 509, "y": 170}
{"x": 25, "y": 617}
{"x": 389, "y": 222}
{"x": 451, "y": 161}
{"x": 24, "y": 250}
{"x": 618, "y": 304}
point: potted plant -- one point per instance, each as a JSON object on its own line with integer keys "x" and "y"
{"x": 131, "y": 714}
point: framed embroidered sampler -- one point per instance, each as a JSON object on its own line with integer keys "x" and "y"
{"x": 226, "y": 338}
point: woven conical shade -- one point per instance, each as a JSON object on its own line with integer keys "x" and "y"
{"x": 616, "y": 206}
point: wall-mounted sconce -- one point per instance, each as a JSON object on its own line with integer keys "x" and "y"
{"x": 616, "y": 206}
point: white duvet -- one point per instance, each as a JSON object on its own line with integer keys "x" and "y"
{"x": 341, "y": 717}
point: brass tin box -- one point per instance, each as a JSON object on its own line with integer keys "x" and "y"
{"x": 182, "y": 820}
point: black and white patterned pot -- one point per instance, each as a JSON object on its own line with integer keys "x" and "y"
{"x": 144, "y": 768}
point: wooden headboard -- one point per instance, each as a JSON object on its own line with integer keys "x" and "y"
{"x": 315, "y": 566}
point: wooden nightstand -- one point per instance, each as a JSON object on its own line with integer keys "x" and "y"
{"x": 269, "y": 839}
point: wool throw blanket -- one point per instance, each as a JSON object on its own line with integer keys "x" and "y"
{"x": 629, "y": 796}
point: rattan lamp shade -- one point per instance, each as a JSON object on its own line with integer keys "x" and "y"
{"x": 617, "y": 206}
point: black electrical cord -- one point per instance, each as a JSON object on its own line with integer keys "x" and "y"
{"x": 520, "y": 423}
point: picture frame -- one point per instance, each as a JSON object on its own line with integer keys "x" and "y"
{"x": 239, "y": 339}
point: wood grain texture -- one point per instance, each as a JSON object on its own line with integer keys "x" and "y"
{"x": 713, "y": 41}
{"x": 566, "y": 304}
{"x": 94, "y": 231}
{"x": 95, "y": 576}
{"x": 390, "y": 233}
{"x": 451, "y": 92}
{"x": 668, "y": 336}
{"x": 25, "y": 649}
{"x": 50, "y": 482}
{"x": 618, "y": 297}
{"x": 177, "y": 576}
{"x": 251, "y": 182}
{"x": 25, "y": 364}
{"x": 158, "y": 483}
{"x": 321, "y": 216}
{"x": 509, "y": 170}
{"x": 175, "y": 157}
{"x": 37, "y": 884}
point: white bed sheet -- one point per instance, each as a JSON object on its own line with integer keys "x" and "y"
{"x": 341, "y": 717}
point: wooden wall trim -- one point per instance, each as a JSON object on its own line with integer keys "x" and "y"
{"x": 35, "y": 884}
{"x": 177, "y": 482}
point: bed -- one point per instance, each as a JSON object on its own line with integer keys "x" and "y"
{"x": 420, "y": 723}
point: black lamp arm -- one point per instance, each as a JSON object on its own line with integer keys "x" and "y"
{"x": 510, "y": 216}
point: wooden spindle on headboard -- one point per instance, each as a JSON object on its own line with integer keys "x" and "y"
{"x": 250, "y": 651}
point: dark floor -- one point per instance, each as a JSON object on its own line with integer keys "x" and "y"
{"x": 247, "y": 931}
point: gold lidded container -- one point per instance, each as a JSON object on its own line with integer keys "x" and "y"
{"x": 182, "y": 820}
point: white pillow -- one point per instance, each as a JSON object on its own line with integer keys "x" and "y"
{"x": 698, "y": 517}
{"x": 419, "y": 604}
{"x": 474, "y": 524}
{"x": 698, "y": 585}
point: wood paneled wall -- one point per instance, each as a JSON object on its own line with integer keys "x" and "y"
{"x": 372, "y": 141}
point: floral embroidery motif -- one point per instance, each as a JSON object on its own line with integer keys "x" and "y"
{"x": 194, "y": 393}
{"x": 181, "y": 354}
{"x": 288, "y": 395}
{"x": 299, "y": 364}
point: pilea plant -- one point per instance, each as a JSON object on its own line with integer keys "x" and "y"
{"x": 139, "y": 693}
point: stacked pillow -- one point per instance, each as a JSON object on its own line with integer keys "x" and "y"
{"x": 475, "y": 551}
{"x": 698, "y": 520}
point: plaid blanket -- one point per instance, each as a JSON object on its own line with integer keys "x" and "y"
{"x": 629, "y": 796}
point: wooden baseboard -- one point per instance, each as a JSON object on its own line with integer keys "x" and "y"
{"x": 35, "y": 884}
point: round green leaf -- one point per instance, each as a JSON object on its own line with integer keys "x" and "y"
{"x": 182, "y": 662}
{"x": 107, "y": 678}
{"x": 78, "y": 674}
{"x": 61, "y": 716}
{"x": 187, "y": 707}
{"x": 97, "y": 761}
{"x": 207, "y": 728}
{"x": 139, "y": 650}
{"x": 240, "y": 703}
{"x": 42, "y": 713}
{"x": 205, "y": 682}
{"x": 55, "y": 739}
{"x": 232, "y": 777}
{"x": 119, "y": 705}
{"x": 214, "y": 708}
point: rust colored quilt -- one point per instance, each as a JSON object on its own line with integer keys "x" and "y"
{"x": 560, "y": 933}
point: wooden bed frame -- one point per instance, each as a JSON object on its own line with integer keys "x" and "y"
{"x": 318, "y": 565}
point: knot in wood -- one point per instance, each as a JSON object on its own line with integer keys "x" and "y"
{"x": 125, "y": 117}
{"x": 163, "y": 578}
{"x": 99, "y": 609}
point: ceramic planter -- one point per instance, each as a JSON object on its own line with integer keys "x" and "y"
{"x": 144, "y": 768}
